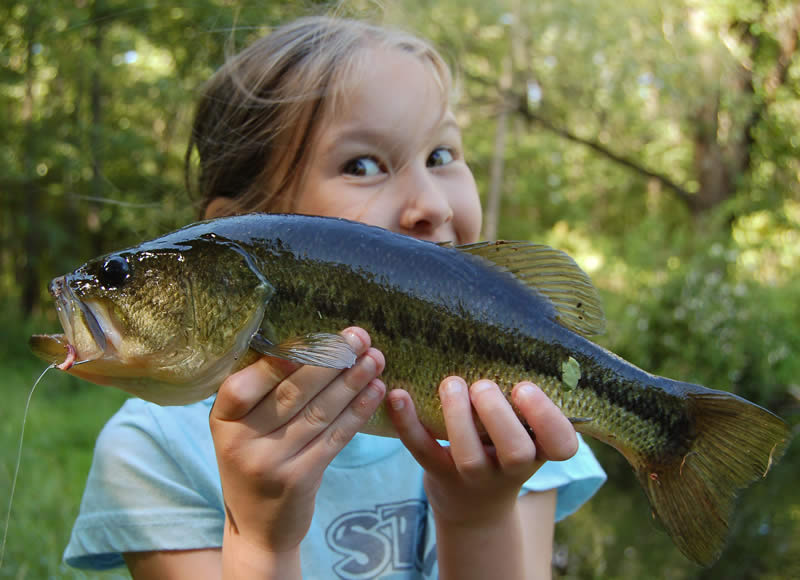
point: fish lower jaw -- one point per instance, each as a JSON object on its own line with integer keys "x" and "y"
{"x": 86, "y": 348}
{"x": 162, "y": 393}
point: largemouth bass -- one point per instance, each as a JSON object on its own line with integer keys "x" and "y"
{"x": 169, "y": 319}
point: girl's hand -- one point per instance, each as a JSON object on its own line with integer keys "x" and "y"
{"x": 469, "y": 483}
{"x": 276, "y": 427}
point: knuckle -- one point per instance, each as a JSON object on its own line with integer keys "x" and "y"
{"x": 236, "y": 406}
{"x": 352, "y": 420}
{"x": 339, "y": 436}
{"x": 234, "y": 394}
{"x": 472, "y": 468}
{"x": 357, "y": 377}
{"x": 227, "y": 449}
{"x": 251, "y": 469}
{"x": 241, "y": 391}
{"x": 316, "y": 415}
{"x": 365, "y": 405}
{"x": 288, "y": 477}
{"x": 232, "y": 382}
{"x": 248, "y": 465}
{"x": 518, "y": 459}
{"x": 288, "y": 395}
{"x": 354, "y": 382}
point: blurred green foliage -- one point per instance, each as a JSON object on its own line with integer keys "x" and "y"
{"x": 65, "y": 417}
{"x": 656, "y": 142}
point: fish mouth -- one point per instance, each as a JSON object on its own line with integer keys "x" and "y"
{"x": 52, "y": 348}
{"x": 72, "y": 311}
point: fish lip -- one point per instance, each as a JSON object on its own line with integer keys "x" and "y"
{"x": 66, "y": 305}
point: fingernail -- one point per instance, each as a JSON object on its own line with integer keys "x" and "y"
{"x": 480, "y": 387}
{"x": 525, "y": 390}
{"x": 397, "y": 403}
{"x": 369, "y": 364}
{"x": 375, "y": 389}
{"x": 354, "y": 340}
{"x": 454, "y": 387}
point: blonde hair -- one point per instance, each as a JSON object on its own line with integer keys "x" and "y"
{"x": 258, "y": 113}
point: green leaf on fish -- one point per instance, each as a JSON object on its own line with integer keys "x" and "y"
{"x": 570, "y": 373}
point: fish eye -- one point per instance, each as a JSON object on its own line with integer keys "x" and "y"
{"x": 114, "y": 272}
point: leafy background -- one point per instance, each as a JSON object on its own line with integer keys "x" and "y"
{"x": 657, "y": 142}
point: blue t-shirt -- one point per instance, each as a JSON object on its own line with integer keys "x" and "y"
{"x": 154, "y": 485}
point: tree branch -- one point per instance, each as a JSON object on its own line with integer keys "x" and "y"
{"x": 598, "y": 147}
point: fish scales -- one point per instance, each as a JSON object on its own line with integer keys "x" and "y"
{"x": 169, "y": 319}
{"x": 473, "y": 322}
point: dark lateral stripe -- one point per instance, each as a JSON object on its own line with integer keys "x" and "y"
{"x": 340, "y": 294}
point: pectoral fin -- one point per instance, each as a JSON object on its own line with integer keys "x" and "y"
{"x": 319, "y": 350}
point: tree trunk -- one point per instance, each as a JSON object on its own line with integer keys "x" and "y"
{"x": 715, "y": 175}
{"x": 31, "y": 246}
{"x": 496, "y": 176}
{"x": 497, "y": 169}
{"x": 95, "y": 133}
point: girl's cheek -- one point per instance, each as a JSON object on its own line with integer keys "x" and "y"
{"x": 468, "y": 215}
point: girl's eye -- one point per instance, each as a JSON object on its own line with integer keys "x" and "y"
{"x": 362, "y": 167}
{"x": 440, "y": 156}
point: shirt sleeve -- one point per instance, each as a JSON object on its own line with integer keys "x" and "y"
{"x": 149, "y": 490}
{"x": 575, "y": 480}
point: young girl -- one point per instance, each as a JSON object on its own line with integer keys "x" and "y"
{"x": 338, "y": 118}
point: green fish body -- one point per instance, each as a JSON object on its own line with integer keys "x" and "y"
{"x": 168, "y": 320}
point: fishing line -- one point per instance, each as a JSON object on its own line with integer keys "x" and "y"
{"x": 69, "y": 362}
{"x": 19, "y": 461}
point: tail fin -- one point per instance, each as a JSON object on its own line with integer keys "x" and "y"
{"x": 736, "y": 442}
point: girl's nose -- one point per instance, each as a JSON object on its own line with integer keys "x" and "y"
{"x": 426, "y": 207}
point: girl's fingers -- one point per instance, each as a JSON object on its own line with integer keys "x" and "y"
{"x": 419, "y": 442}
{"x": 322, "y": 449}
{"x": 555, "y": 436}
{"x": 243, "y": 390}
{"x": 515, "y": 451}
{"x": 283, "y": 399}
{"x": 323, "y": 410}
{"x": 466, "y": 447}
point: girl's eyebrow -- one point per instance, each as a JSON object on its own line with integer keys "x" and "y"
{"x": 355, "y": 135}
{"x": 378, "y": 134}
{"x": 369, "y": 135}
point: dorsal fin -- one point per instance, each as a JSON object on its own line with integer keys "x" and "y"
{"x": 553, "y": 274}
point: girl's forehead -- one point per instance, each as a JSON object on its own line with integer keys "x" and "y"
{"x": 390, "y": 95}
{"x": 390, "y": 73}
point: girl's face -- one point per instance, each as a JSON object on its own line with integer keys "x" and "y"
{"x": 388, "y": 157}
